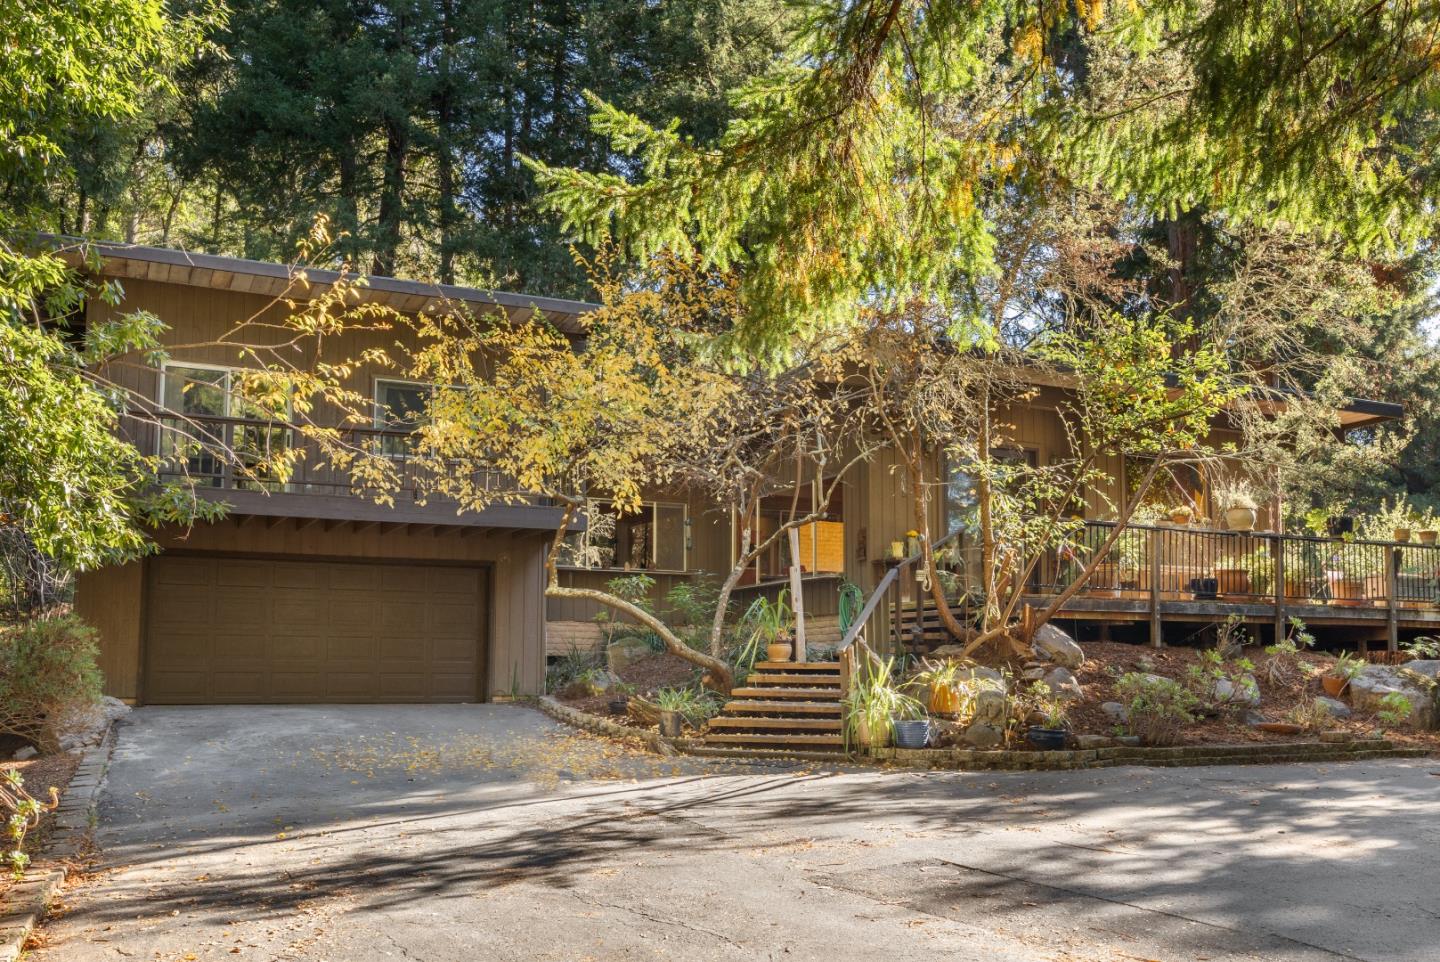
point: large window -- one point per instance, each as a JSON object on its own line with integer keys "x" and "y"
{"x": 400, "y": 406}
{"x": 959, "y": 491}
{"x": 654, "y": 538}
{"x": 208, "y": 429}
{"x": 821, "y": 543}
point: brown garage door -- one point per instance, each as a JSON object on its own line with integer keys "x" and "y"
{"x": 243, "y": 631}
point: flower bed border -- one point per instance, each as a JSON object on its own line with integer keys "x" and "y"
{"x": 1179, "y": 756}
{"x": 26, "y": 903}
{"x": 599, "y": 725}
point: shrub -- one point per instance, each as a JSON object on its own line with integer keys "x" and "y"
{"x": 695, "y": 704}
{"x": 48, "y": 678}
{"x": 1158, "y": 707}
{"x": 1395, "y": 709}
{"x": 568, "y": 667}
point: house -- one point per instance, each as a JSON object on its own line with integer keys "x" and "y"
{"x": 311, "y": 591}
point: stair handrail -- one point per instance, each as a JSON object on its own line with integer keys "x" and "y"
{"x": 890, "y": 578}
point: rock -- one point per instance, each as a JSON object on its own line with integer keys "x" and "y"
{"x": 947, "y": 653}
{"x": 1334, "y": 706}
{"x": 24, "y": 753}
{"x": 1144, "y": 664}
{"x": 973, "y": 672}
{"x": 1033, "y": 674}
{"x": 981, "y": 735}
{"x": 1117, "y": 712}
{"x": 1129, "y": 741}
{"x": 991, "y": 708}
{"x": 1228, "y": 693}
{"x": 946, "y": 734}
{"x": 1335, "y": 735}
{"x": 1254, "y": 718}
{"x": 1063, "y": 685}
{"x": 1053, "y": 645}
{"x": 1368, "y": 690}
{"x": 1089, "y": 742}
{"x": 625, "y": 652}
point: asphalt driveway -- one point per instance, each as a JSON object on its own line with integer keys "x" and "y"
{"x": 490, "y": 833}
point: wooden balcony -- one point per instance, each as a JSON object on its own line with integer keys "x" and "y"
{"x": 226, "y": 459}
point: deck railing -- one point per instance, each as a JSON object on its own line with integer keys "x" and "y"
{"x": 235, "y": 453}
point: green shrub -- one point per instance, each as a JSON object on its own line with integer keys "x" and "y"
{"x": 1158, "y": 707}
{"x": 48, "y": 677}
{"x": 695, "y": 704}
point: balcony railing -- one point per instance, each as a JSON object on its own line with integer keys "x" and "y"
{"x": 237, "y": 454}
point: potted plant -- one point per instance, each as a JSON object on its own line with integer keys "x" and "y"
{"x": 620, "y": 698}
{"x": 1346, "y": 574}
{"x": 1402, "y": 535}
{"x": 769, "y": 623}
{"x": 873, "y": 703}
{"x": 1181, "y": 514}
{"x": 1427, "y": 535}
{"x": 1237, "y": 499}
{"x": 1053, "y": 732}
{"x": 1346, "y": 669}
{"x": 941, "y": 679}
{"x": 672, "y": 703}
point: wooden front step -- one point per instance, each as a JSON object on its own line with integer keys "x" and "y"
{"x": 803, "y": 681}
{"x": 772, "y": 741}
{"x": 788, "y": 694}
{"x": 751, "y": 707}
{"x": 778, "y": 724}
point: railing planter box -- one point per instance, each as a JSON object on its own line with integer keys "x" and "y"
{"x": 1232, "y": 581}
{"x": 1345, "y": 591}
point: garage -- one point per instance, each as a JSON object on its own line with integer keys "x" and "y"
{"x": 240, "y": 630}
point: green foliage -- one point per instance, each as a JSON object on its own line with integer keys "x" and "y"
{"x": 1158, "y": 707}
{"x": 575, "y": 665}
{"x": 1395, "y": 709}
{"x": 1424, "y": 646}
{"x": 1348, "y": 666}
{"x": 1282, "y": 659}
{"x": 48, "y": 678}
{"x": 21, "y": 812}
{"x": 696, "y": 704}
{"x": 874, "y": 701}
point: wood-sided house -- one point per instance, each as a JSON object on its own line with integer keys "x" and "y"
{"x": 312, "y": 592}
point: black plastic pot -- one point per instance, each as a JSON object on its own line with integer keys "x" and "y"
{"x": 619, "y": 706}
{"x": 1204, "y": 589}
{"x": 1047, "y": 739}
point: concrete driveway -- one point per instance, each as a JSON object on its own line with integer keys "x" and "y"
{"x": 490, "y": 833}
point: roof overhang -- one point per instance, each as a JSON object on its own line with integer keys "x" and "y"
{"x": 169, "y": 266}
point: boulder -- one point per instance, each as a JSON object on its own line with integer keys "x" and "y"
{"x": 1032, "y": 674}
{"x": 1089, "y": 742}
{"x": 1063, "y": 685}
{"x": 1415, "y": 680}
{"x": 946, "y": 734}
{"x": 1117, "y": 712}
{"x": 1226, "y": 692}
{"x": 27, "y": 752}
{"x": 981, "y": 735}
{"x": 1334, "y": 706}
{"x": 1053, "y": 645}
{"x": 625, "y": 652}
{"x": 990, "y": 709}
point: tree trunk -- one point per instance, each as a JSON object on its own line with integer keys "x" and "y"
{"x": 392, "y": 197}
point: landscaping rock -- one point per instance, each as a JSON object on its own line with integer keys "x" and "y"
{"x": 1055, "y": 646}
{"x": 946, "y": 734}
{"x": 1117, "y": 712}
{"x": 990, "y": 709}
{"x": 1338, "y": 735}
{"x": 88, "y": 726}
{"x": 625, "y": 652}
{"x": 981, "y": 735}
{"x": 1227, "y": 692}
{"x": 1032, "y": 674}
{"x": 24, "y": 753}
{"x": 1063, "y": 685}
{"x": 1090, "y": 742}
{"x": 1368, "y": 690}
{"x": 1130, "y": 741}
{"x": 1335, "y": 707}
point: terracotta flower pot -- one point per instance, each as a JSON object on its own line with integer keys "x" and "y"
{"x": 1232, "y": 581}
{"x": 1428, "y": 537}
{"x": 779, "y": 651}
{"x": 944, "y": 700}
{"x": 1401, "y": 534}
{"x": 1334, "y": 685}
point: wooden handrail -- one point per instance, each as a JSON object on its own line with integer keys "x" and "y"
{"x": 890, "y": 578}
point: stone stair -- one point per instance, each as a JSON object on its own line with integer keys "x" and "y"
{"x": 785, "y": 705}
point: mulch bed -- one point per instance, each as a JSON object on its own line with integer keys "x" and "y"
{"x": 1105, "y": 662}
{"x": 40, "y": 773}
{"x": 648, "y": 675}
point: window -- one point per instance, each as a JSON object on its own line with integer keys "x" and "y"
{"x": 400, "y": 406}
{"x": 960, "y": 502}
{"x": 821, "y": 543}
{"x": 207, "y": 429}
{"x": 656, "y": 537}
{"x": 1173, "y": 485}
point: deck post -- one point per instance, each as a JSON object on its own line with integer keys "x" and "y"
{"x": 1279, "y": 575}
{"x": 1392, "y": 601}
{"x": 797, "y": 595}
{"x": 1157, "y": 629}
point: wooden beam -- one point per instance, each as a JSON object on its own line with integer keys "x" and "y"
{"x": 359, "y": 526}
{"x": 301, "y": 525}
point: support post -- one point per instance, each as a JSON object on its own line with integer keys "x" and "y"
{"x": 1157, "y": 626}
{"x": 1281, "y": 617}
{"x": 1392, "y": 601}
{"x": 797, "y": 595}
